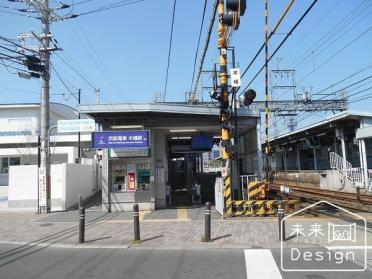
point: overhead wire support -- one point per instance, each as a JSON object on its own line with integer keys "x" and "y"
{"x": 285, "y": 12}
{"x": 283, "y": 41}
{"x": 205, "y": 49}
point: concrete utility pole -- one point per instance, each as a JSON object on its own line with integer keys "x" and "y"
{"x": 44, "y": 106}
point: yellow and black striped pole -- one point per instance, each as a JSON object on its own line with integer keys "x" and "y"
{"x": 225, "y": 106}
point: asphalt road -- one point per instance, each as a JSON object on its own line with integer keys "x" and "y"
{"x": 48, "y": 262}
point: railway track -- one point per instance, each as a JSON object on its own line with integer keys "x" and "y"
{"x": 356, "y": 201}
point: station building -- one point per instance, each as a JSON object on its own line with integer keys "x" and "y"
{"x": 170, "y": 171}
{"x": 335, "y": 153}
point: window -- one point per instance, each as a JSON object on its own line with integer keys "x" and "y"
{"x": 4, "y": 165}
{"x": 5, "y": 162}
{"x": 14, "y": 161}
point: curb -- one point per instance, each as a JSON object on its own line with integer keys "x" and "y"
{"x": 64, "y": 245}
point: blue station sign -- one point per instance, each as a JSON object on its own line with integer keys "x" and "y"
{"x": 124, "y": 139}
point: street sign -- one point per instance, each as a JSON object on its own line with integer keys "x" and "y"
{"x": 76, "y": 125}
{"x": 235, "y": 77}
{"x": 123, "y": 139}
{"x": 42, "y": 187}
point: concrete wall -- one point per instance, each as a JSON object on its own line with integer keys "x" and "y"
{"x": 80, "y": 180}
{"x": 328, "y": 180}
{"x": 249, "y": 153}
{"x": 334, "y": 180}
{"x": 303, "y": 178}
{"x": 67, "y": 181}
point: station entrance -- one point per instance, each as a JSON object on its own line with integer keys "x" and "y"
{"x": 180, "y": 164}
{"x": 192, "y": 171}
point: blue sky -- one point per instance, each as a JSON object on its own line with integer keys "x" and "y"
{"x": 124, "y": 51}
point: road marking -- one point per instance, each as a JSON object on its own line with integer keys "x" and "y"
{"x": 260, "y": 264}
{"x": 182, "y": 213}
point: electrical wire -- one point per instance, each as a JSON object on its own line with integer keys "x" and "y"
{"x": 335, "y": 29}
{"x": 282, "y": 42}
{"x": 111, "y": 6}
{"x": 206, "y": 45}
{"x": 197, "y": 47}
{"x": 270, "y": 35}
{"x": 337, "y": 53}
{"x": 170, "y": 49}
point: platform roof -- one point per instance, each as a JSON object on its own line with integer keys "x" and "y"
{"x": 321, "y": 125}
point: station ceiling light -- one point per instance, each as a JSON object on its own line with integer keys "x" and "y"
{"x": 183, "y": 131}
{"x": 180, "y": 138}
{"x": 126, "y": 127}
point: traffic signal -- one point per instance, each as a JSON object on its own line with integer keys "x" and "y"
{"x": 236, "y": 6}
{"x": 248, "y": 97}
{"x": 235, "y": 9}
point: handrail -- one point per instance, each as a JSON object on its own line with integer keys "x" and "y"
{"x": 356, "y": 175}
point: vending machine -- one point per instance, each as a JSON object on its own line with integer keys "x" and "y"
{"x": 131, "y": 174}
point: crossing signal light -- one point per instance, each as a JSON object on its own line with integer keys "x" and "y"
{"x": 236, "y": 6}
{"x": 248, "y": 97}
{"x": 235, "y": 9}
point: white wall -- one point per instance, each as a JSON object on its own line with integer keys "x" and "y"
{"x": 79, "y": 181}
{"x": 23, "y": 181}
{"x": 67, "y": 181}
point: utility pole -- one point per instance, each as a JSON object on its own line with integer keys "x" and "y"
{"x": 267, "y": 165}
{"x": 225, "y": 107}
{"x": 44, "y": 107}
{"x": 79, "y": 140}
{"x": 235, "y": 8}
{"x": 98, "y": 95}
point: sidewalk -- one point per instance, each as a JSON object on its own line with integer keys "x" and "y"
{"x": 169, "y": 228}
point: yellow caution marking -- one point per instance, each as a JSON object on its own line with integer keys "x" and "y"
{"x": 182, "y": 213}
{"x": 142, "y": 214}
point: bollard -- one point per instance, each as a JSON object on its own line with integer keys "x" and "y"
{"x": 207, "y": 232}
{"x": 81, "y": 224}
{"x": 280, "y": 218}
{"x": 136, "y": 223}
{"x": 80, "y": 201}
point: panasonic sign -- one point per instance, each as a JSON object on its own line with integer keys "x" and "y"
{"x": 15, "y": 133}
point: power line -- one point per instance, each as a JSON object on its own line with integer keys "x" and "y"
{"x": 341, "y": 81}
{"x": 332, "y": 32}
{"x": 197, "y": 47}
{"x": 210, "y": 27}
{"x": 283, "y": 41}
{"x": 109, "y": 7}
{"x": 270, "y": 35}
{"x": 170, "y": 48}
{"x": 96, "y": 59}
{"x": 337, "y": 53}
{"x": 19, "y": 90}
{"x": 334, "y": 92}
{"x": 77, "y": 72}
